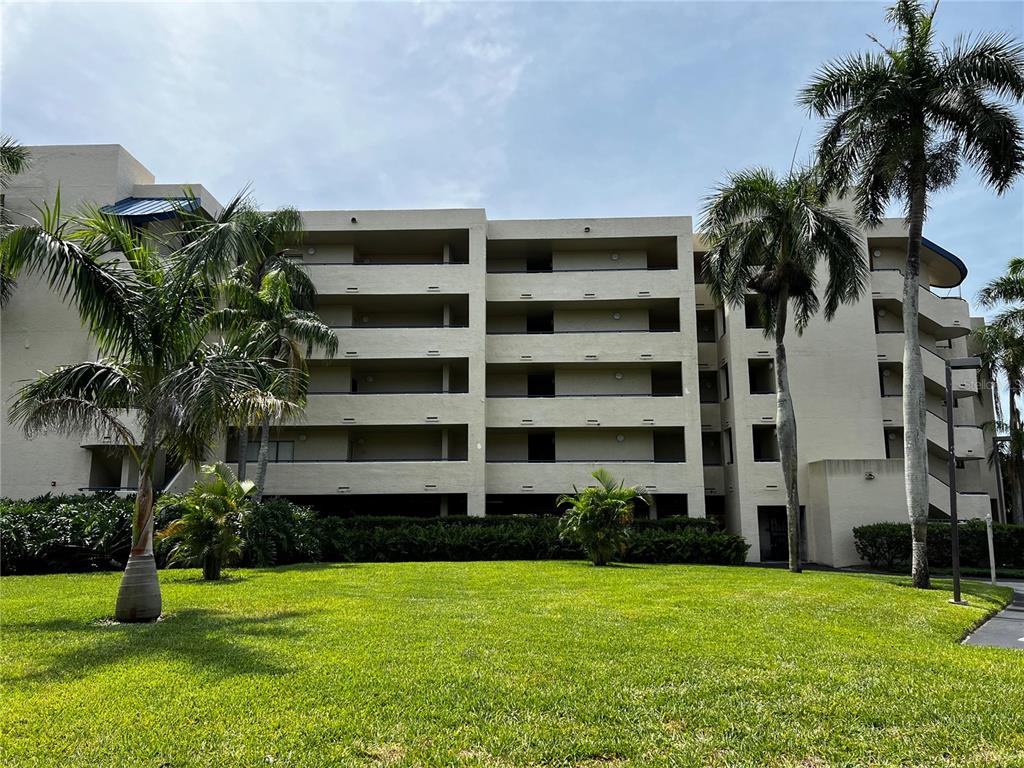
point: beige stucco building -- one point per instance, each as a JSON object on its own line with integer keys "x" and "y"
{"x": 486, "y": 366}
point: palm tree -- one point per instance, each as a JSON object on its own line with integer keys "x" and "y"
{"x": 14, "y": 159}
{"x": 148, "y": 310}
{"x": 270, "y": 235}
{"x": 768, "y": 235}
{"x": 598, "y": 517}
{"x": 900, "y": 122}
{"x": 268, "y": 318}
{"x": 207, "y": 532}
{"x": 1002, "y": 354}
{"x": 1007, "y": 289}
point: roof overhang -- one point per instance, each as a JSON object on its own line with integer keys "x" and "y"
{"x": 948, "y": 270}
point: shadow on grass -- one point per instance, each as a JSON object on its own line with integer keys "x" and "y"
{"x": 213, "y": 642}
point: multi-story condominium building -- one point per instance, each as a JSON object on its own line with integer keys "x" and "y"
{"x": 485, "y": 367}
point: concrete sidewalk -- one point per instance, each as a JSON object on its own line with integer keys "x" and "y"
{"x": 1006, "y": 628}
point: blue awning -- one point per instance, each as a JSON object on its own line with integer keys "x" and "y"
{"x": 952, "y": 258}
{"x": 145, "y": 209}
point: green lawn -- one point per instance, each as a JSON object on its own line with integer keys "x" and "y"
{"x": 500, "y": 664}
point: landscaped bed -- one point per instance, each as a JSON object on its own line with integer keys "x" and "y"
{"x": 511, "y": 663}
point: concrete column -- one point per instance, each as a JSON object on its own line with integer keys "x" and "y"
{"x": 444, "y": 506}
{"x": 446, "y": 254}
{"x": 444, "y": 444}
{"x": 446, "y": 376}
{"x": 447, "y": 317}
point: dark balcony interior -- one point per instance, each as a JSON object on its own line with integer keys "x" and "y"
{"x": 389, "y": 377}
{"x": 538, "y": 504}
{"x": 597, "y": 316}
{"x": 399, "y": 311}
{"x": 761, "y": 374}
{"x": 753, "y": 309}
{"x": 316, "y": 444}
{"x": 711, "y": 449}
{"x": 708, "y": 383}
{"x": 424, "y": 505}
{"x": 586, "y": 445}
{"x": 584, "y": 380}
{"x": 384, "y": 247}
{"x": 581, "y": 255}
{"x": 706, "y": 330}
{"x": 766, "y": 444}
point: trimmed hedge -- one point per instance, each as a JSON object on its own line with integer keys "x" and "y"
{"x": 887, "y": 545}
{"x": 83, "y": 533}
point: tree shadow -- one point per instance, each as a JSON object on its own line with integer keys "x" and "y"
{"x": 214, "y": 642}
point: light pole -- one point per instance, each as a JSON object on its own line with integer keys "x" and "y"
{"x": 956, "y": 364}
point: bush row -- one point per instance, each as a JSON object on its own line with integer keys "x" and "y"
{"x": 67, "y": 534}
{"x": 887, "y": 545}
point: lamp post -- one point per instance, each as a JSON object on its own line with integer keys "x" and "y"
{"x": 956, "y": 364}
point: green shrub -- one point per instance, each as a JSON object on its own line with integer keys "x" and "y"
{"x": 887, "y": 545}
{"x": 69, "y": 533}
{"x": 80, "y": 533}
{"x": 280, "y": 532}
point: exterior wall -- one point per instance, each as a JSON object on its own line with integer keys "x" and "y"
{"x": 446, "y": 410}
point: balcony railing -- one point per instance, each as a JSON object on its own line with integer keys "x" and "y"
{"x": 583, "y": 330}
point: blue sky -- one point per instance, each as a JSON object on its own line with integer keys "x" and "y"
{"x": 527, "y": 110}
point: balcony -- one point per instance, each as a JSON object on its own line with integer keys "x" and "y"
{"x": 391, "y": 343}
{"x": 324, "y": 478}
{"x": 968, "y": 439}
{"x": 943, "y": 317}
{"x": 586, "y": 410}
{"x": 391, "y": 408}
{"x": 583, "y": 346}
{"x": 890, "y": 350}
{"x": 561, "y": 476}
{"x": 574, "y": 285}
{"x": 357, "y": 279}
{"x": 969, "y": 506}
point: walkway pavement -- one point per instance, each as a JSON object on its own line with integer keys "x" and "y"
{"x": 1006, "y": 628}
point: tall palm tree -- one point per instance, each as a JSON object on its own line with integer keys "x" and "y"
{"x": 900, "y": 123}
{"x": 148, "y": 309}
{"x": 267, "y": 317}
{"x": 768, "y": 235}
{"x": 14, "y": 159}
{"x": 270, "y": 235}
{"x": 1002, "y": 343}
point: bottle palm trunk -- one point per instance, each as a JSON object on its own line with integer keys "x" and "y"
{"x": 138, "y": 598}
{"x": 785, "y": 428}
{"x": 1013, "y": 464}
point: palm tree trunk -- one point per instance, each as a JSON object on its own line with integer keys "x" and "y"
{"x": 138, "y": 598}
{"x": 264, "y": 457}
{"x": 785, "y": 430}
{"x": 915, "y": 448}
{"x": 243, "y": 449}
{"x": 1013, "y": 466}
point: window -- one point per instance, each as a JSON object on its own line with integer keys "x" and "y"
{"x": 540, "y": 446}
{"x": 721, "y": 321}
{"x": 752, "y": 308}
{"x": 698, "y": 268}
{"x": 727, "y": 446}
{"x": 762, "y": 376}
{"x": 766, "y": 443}
{"x": 670, "y": 445}
{"x": 277, "y": 450}
{"x": 725, "y": 382}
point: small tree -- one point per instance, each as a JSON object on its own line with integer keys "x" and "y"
{"x": 598, "y": 517}
{"x": 207, "y": 531}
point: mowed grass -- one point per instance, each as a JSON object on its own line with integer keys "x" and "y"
{"x": 502, "y": 664}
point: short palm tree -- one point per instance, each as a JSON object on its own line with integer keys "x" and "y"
{"x": 768, "y": 235}
{"x": 211, "y": 513}
{"x": 148, "y": 308}
{"x": 598, "y": 517}
{"x": 900, "y": 122}
{"x": 1007, "y": 293}
{"x": 1002, "y": 354}
{"x": 14, "y": 159}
